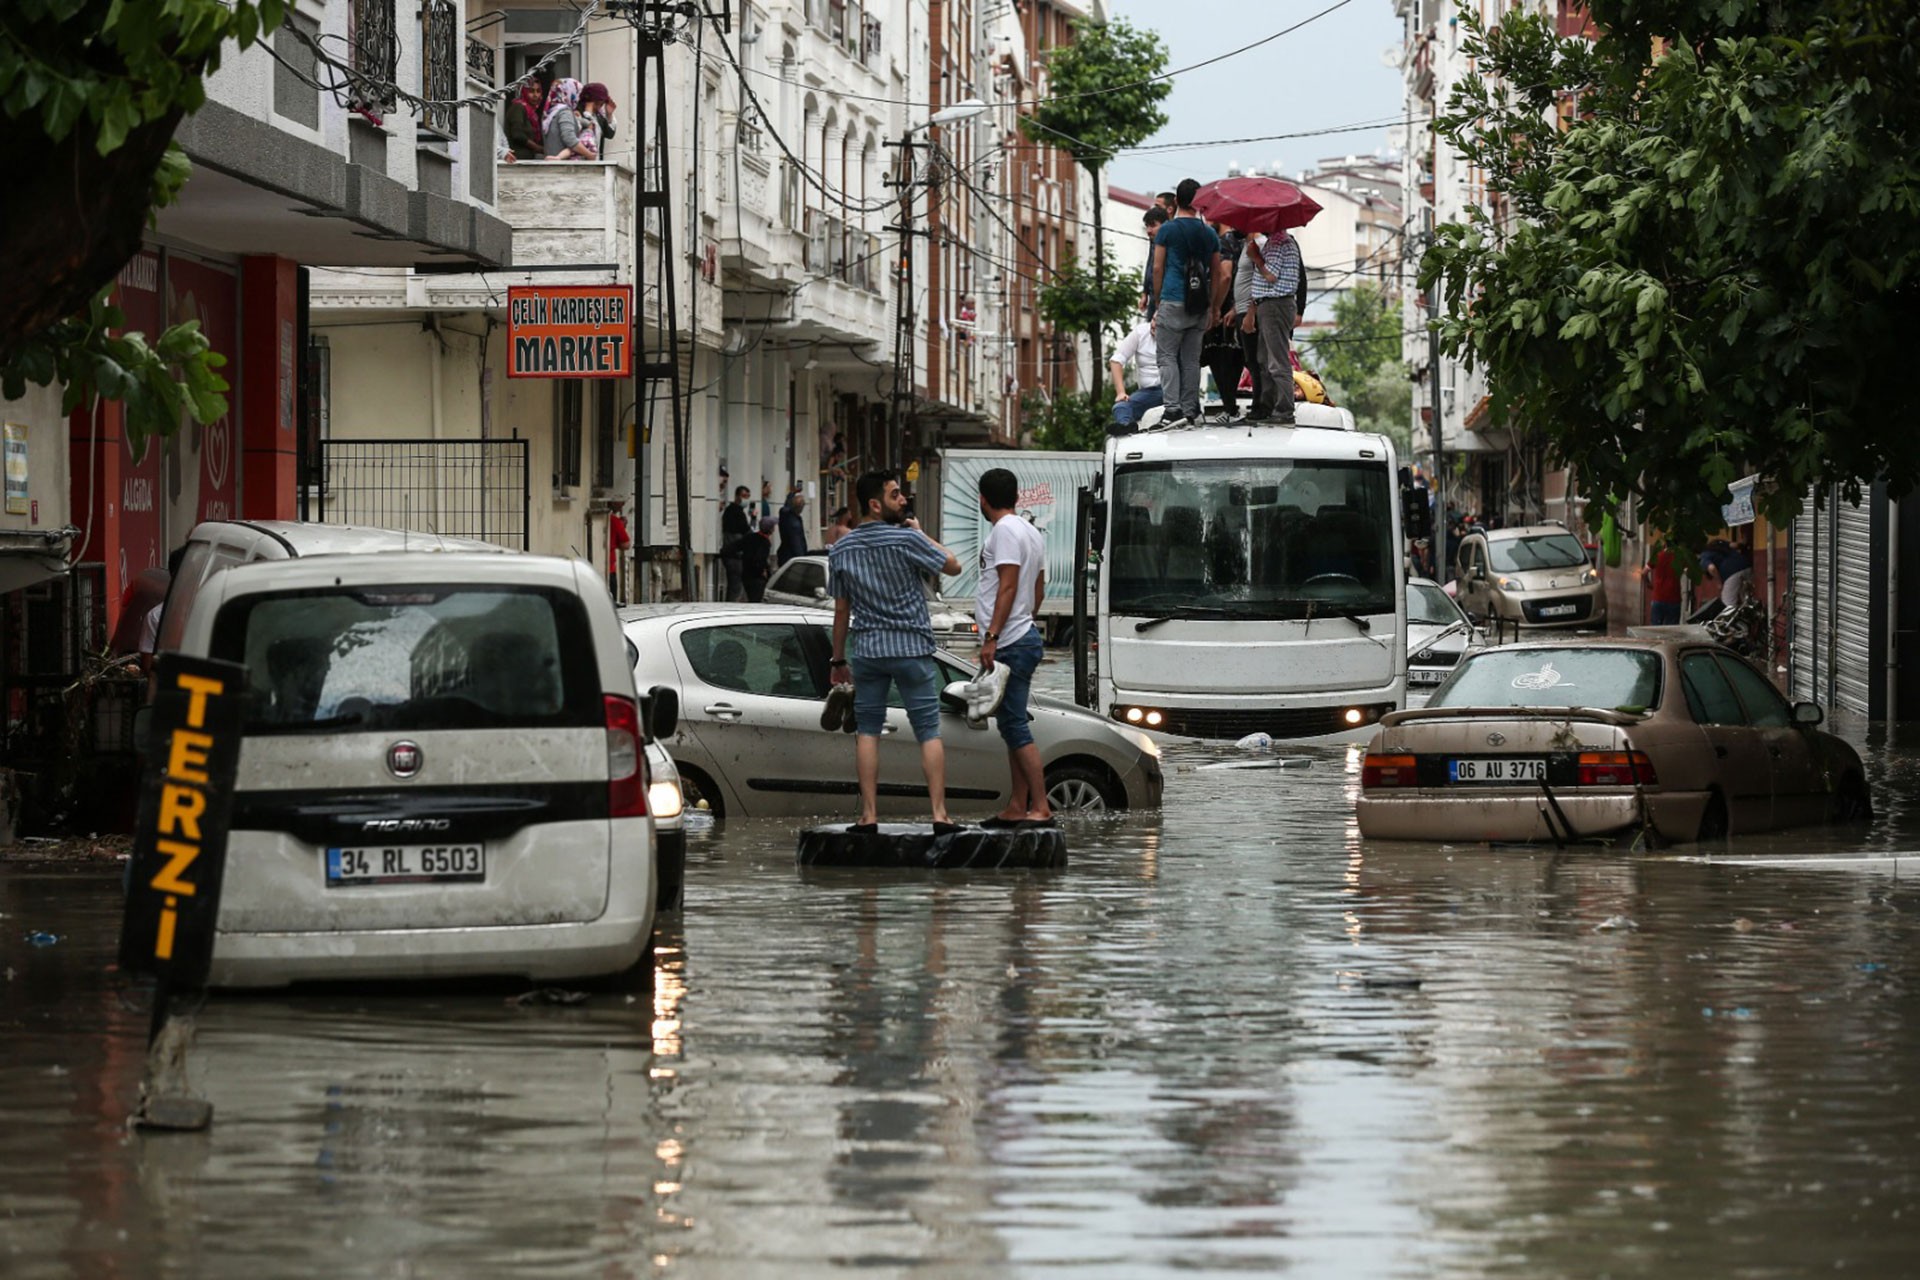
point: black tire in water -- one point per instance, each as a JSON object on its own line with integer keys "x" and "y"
{"x": 1713, "y": 823}
{"x": 1852, "y": 802}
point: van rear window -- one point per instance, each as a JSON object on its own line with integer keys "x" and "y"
{"x": 410, "y": 657}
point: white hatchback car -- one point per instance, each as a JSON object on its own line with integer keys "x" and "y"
{"x": 441, "y": 772}
{"x": 803, "y": 581}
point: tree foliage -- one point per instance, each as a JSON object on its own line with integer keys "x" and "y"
{"x": 1711, "y": 269}
{"x": 91, "y": 92}
{"x": 1078, "y": 301}
{"x": 1068, "y": 420}
{"x": 1365, "y": 335}
{"x": 1104, "y": 93}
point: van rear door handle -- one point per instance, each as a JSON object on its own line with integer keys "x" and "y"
{"x": 723, "y": 711}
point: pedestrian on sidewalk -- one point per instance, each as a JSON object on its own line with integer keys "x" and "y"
{"x": 735, "y": 526}
{"x": 793, "y": 527}
{"x": 1013, "y": 578}
{"x": 883, "y": 638}
{"x": 756, "y": 555}
{"x": 1186, "y": 265}
{"x": 842, "y": 521}
{"x": 1663, "y": 588}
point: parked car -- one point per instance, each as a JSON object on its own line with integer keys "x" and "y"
{"x": 666, "y": 805}
{"x": 441, "y": 770}
{"x": 1533, "y": 576}
{"x": 803, "y": 581}
{"x": 751, "y": 680}
{"x": 1563, "y": 741}
{"x": 1438, "y": 635}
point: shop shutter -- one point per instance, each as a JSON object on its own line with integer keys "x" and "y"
{"x": 1807, "y": 681}
{"x": 1853, "y": 665}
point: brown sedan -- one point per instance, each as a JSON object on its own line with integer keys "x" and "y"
{"x": 1566, "y": 741}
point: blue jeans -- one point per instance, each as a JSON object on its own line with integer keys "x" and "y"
{"x": 1661, "y": 614}
{"x": 919, "y": 683}
{"x": 1020, "y": 659}
{"x": 1127, "y": 413}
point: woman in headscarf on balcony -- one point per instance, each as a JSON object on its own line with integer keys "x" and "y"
{"x": 520, "y": 121}
{"x": 596, "y": 116}
{"x": 561, "y": 124}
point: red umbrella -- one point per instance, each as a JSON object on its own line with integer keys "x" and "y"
{"x": 1255, "y": 204}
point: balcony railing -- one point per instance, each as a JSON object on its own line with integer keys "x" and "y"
{"x": 843, "y": 252}
{"x": 440, "y": 58}
{"x": 373, "y": 52}
{"x": 480, "y": 63}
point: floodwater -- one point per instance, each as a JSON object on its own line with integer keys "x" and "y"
{"x": 1231, "y": 1039}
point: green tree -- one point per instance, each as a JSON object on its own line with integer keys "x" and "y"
{"x": 91, "y": 92}
{"x": 1712, "y": 268}
{"x": 1067, "y": 420}
{"x": 1365, "y": 335}
{"x": 1079, "y": 301}
{"x": 1103, "y": 95}
{"x": 1381, "y": 401}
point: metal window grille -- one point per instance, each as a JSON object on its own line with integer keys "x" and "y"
{"x": 606, "y": 416}
{"x": 455, "y": 488}
{"x": 440, "y": 59}
{"x": 319, "y": 407}
{"x": 569, "y": 415}
{"x": 373, "y": 41}
{"x": 480, "y": 63}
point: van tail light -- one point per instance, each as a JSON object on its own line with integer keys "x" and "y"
{"x": 1387, "y": 771}
{"x": 626, "y": 763}
{"x": 1616, "y": 769}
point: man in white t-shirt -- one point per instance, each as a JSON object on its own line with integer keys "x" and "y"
{"x": 1013, "y": 577}
{"x": 1137, "y": 349}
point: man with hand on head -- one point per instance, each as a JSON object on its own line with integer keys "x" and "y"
{"x": 1013, "y": 577}
{"x": 883, "y": 637}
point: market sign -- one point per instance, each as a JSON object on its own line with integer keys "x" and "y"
{"x": 570, "y": 331}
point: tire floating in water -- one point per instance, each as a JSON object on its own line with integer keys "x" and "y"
{"x": 914, "y": 847}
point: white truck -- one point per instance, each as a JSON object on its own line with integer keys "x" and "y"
{"x": 1247, "y": 579}
{"x": 949, "y": 507}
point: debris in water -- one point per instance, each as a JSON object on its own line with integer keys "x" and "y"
{"x": 1282, "y": 762}
{"x": 1743, "y": 925}
{"x": 1615, "y": 922}
{"x": 39, "y": 938}
{"x": 1255, "y": 742}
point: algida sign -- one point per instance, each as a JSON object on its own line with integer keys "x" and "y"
{"x": 186, "y": 804}
{"x": 570, "y": 331}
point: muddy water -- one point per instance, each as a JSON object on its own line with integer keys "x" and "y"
{"x": 1230, "y": 1039}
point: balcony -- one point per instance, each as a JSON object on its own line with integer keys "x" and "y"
{"x": 840, "y": 251}
{"x": 572, "y": 223}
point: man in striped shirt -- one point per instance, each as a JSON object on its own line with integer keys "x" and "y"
{"x": 874, "y": 571}
{"x": 1276, "y": 275}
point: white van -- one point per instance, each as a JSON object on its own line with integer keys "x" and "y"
{"x": 441, "y": 772}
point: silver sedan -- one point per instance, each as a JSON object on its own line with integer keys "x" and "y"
{"x": 752, "y": 679}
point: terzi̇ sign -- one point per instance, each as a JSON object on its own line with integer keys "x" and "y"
{"x": 570, "y": 331}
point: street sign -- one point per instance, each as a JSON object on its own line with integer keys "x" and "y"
{"x": 570, "y": 331}
{"x": 186, "y": 802}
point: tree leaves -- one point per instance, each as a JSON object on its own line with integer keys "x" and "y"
{"x": 1714, "y": 269}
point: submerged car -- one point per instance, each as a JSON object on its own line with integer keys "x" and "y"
{"x": 1571, "y": 740}
{"x": 803, "y": 581}
{"x": 1532, "y": 576}
{"x": 1438, "y": 635}
{"x": 752, "y": 679}
{"x": 440, "y": 772}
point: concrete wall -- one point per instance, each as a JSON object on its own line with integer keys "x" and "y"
{"x": 47, "y": 460}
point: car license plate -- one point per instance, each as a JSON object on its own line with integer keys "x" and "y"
{"x": 1424, "y": 675}
{"x": 405, "y": 864}
{"x": 1497, "y": 770}
{"x": 1558, "y": 610}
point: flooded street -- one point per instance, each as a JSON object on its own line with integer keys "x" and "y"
{"x": 1230, "y": 1038}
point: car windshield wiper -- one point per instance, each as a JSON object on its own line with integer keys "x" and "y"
{"x": 1183, "y": 611}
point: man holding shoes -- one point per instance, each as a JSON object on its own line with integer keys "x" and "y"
{"x": 1013, "y": 577}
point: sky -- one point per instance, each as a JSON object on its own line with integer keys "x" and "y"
{"x": 1328, "y": 73}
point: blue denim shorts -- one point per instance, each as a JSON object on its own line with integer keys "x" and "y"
{"x": 1020, "y": 659}
{"x": 919, "y": 682}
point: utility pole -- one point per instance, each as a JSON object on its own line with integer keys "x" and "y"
{"x": 657, "y": 24}
{"x": 1433, "y": 370}
{"x": 903, "y": 313}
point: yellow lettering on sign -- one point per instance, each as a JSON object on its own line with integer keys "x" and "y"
{"x": 180, "y": 810}
{"x": 163, "y": 942}
{"x": 179, "y": 858}
{"x": 199, "y": 689}
{"x": 187, "y": 760}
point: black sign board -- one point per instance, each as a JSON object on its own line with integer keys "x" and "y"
{"x": 186, "y": 803}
